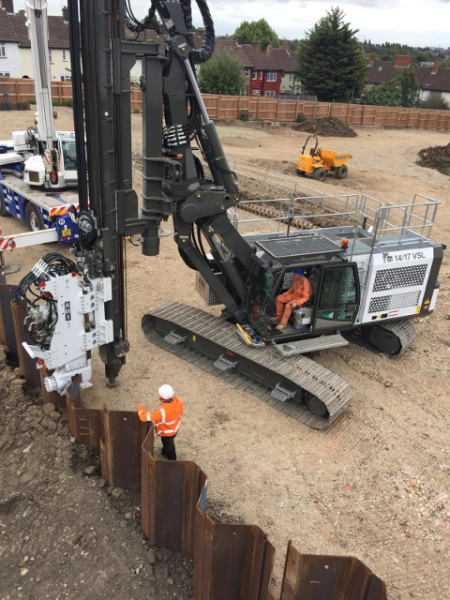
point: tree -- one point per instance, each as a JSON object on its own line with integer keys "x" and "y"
{"x": 331, "y": 61}
{"x": 445, "y": 64}
{"x": 259, "y": 31}
{"x": 403, "y": 90}
{"x": 424, "y": 56}
{"x": 386, "y": 94}
{"x": 222, "y": 74}
{"x": 409, "y": 87}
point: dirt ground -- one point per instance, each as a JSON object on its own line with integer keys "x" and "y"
{"x": 63, "y": 532}
{"x": 375, "y": 485}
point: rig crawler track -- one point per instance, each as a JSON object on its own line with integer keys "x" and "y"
{"x": 297, "y": 386}
{"x": 391, "y": 337}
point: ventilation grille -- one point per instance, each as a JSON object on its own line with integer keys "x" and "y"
{"x": 391, "y": 279}
{"x": 393, "y": 302}
{"x": 206, "y": 292}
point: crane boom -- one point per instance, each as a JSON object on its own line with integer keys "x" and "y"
{"x": 37, "y": 23}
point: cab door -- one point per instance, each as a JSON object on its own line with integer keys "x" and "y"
{"x": 338, "y": 297}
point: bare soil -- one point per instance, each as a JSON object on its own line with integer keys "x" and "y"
{"x": 375, "y": 485}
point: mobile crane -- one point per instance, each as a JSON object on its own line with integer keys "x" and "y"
{"x": 45, "y": 157}
{"x": 372, "y": 278}
{"x": 38, "y": 167}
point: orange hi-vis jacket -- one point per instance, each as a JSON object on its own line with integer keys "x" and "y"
{"x": 300, "y": 290}
{"x": 167, "y": 419}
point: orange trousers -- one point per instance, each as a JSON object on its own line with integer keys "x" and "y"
{"x": 286, "y": 303}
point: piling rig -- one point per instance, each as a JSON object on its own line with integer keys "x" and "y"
{"x": 367, "y": 278}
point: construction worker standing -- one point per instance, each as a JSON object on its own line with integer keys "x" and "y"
{"x": 167, "y": 419}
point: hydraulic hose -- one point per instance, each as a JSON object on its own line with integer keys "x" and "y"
{"x": 204, "y": 53}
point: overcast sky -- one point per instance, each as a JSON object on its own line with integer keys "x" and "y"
{"x": 412, "y": 22}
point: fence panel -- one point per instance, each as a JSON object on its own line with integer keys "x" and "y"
{"x": 15, "y": 93}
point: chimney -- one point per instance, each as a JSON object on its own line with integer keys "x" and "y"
{"x": 371, "y": 59}
{"x": 238, "y": 40}
{"x": 256, "y": 44}
{"x": 65, "y": 14}
{"x": 435, "y": 68}
{"x": 402, "y": 61}
{"x": 286, "y": 45}
{"x": 269, "y": 51}
{"x": 201, "y": 31}
{"x": 7, "y": 5}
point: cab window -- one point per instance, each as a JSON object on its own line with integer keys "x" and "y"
{"x": 338, "y": 295}
{"x": 69, "y": 154}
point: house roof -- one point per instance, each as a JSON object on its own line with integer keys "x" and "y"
{"x": 440, "y": 82}
{"x": 234, "y": 49}
{"x": 251, "y": 56}
{"x": 13, "y": 29}
{"x": 280, "y": 59}
{"x": 383, "y": 71}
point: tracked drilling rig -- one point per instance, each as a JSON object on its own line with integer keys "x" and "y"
{"x": 371, "y": 274}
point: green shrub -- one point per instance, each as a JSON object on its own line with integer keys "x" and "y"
{"x": 436, "y": 102}
{"x": 244, "y": 115}
{"x": 32, "y": 101}
{"x": 137, "y": 111}
{"x": 300, "y": 118}
{"x": 258, "y": 120}
{"x": 68, "y": 103}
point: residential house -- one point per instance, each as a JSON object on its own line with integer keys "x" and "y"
{"x": 269, "y": 69}
{"x": 267, "y": 73}
{"x": 383, "y": 71}
{"x": 15, "y": 47}
{"x": 9, "y": 41}
{"x": 432, "y": 79}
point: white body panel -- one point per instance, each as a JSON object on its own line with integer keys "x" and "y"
{"x": 21, "y": 141}
{"x": 395, "y": 284}
{"x": 433, "y": 299}
{"x": 77, "y": 304}
{"x": 34, "y": 170}
{"x": 10, "y": 158}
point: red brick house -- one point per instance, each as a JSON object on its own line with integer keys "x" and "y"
{"x": 267, "y": 73}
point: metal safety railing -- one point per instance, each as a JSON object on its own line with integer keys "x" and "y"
{"x": 382, "y": 224}
{"x": 405, "y": 224}
{"x": 300, "y": 213}
{"x": 272, "y": 178}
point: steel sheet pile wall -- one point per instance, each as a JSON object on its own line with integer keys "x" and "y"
{"x": 316, "y": 577}
{"x": 231, "y": 562}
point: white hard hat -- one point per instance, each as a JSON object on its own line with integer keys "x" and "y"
{"x": 166, "y": 392}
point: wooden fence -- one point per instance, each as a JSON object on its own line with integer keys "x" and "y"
{"x": 17, "y": 92}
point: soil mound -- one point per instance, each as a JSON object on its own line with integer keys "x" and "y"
{"x": 328, "y": 126}
{"x": 436, "y": 157}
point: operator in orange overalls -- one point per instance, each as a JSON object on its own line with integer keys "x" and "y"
{"x": 299, "y": 293}
{"x": 167, "y": 419}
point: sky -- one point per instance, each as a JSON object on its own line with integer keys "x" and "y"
{"x": 413, "y": 22}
